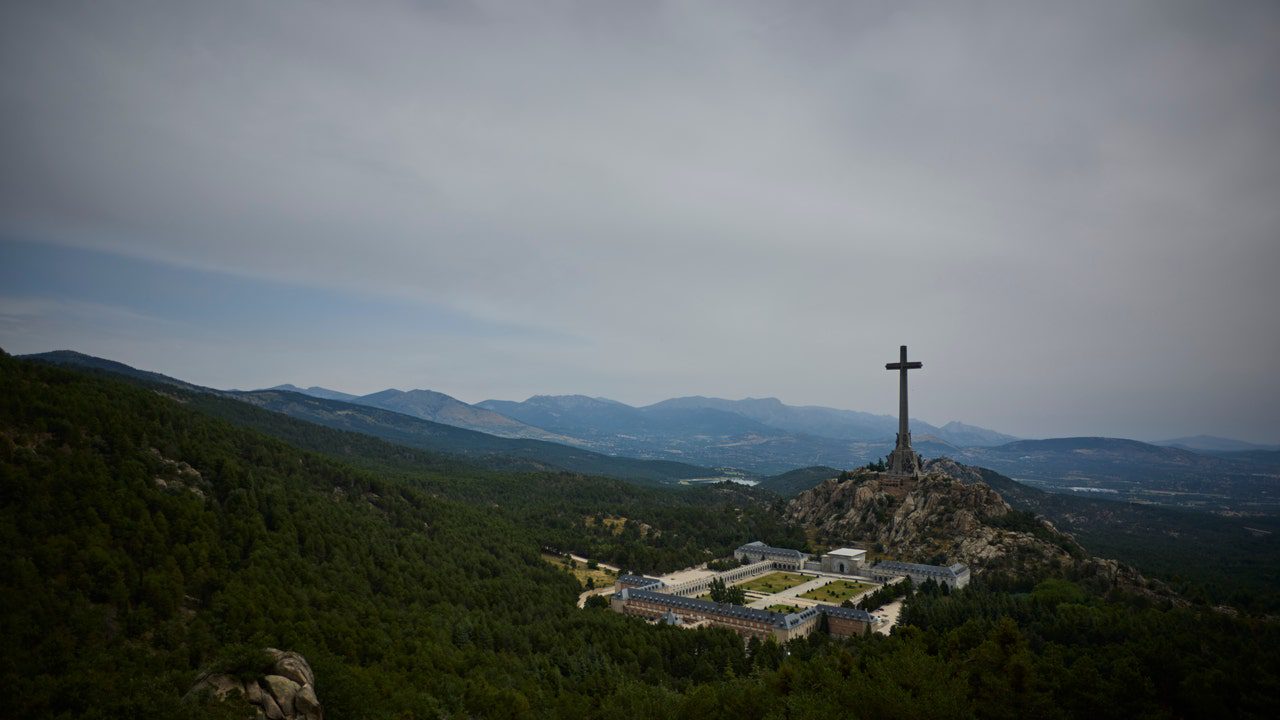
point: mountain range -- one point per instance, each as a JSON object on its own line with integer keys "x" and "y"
{"x": 758, "y": 435}
{"x": 438, "y": 407}
{"x": 699, "y": 437}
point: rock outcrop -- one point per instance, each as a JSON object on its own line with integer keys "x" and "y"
{"x": 285, "y": 692}
{"x": 947, "y": 516}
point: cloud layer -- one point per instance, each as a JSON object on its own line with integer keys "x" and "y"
{"x": 1069, "y": 213}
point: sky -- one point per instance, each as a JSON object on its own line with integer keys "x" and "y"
{"x": 1068, "y": 211}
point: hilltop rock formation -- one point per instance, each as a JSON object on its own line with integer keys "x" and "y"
{"x": 951, "y": 515}
{"x": 285, "y": 692}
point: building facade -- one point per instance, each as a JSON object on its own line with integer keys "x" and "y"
{"x": 956, "y": 576}
{"x": 845, "y": 561}
{"x": 747, "y": 622}
{"x": 783, "y": 558}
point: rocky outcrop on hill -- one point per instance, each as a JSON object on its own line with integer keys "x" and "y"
{"x": 285, "y": 692}
{"x": 947, "y": 516}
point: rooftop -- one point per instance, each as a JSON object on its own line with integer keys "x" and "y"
{"x": 848, "y": 552}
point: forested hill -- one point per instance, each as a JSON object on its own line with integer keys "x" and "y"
{"x": 146, "y": 541}
{"x": 790, "y": 484}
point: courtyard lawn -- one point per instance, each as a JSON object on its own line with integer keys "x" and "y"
{"x": 785, "y": 609}
{"x": 837, "y": 592}
{"x": 774, "y": 582}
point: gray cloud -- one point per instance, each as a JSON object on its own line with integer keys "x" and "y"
{"x": 1069, "y": 212}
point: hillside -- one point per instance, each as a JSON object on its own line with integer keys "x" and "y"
{"x": 71, "y": 358}
{"x": 797, "y": 481}
{"x": 1213, "y": 558}
{"x": 482, "y": 448}
{"x": 147, "y": 543}
{"x": 179, "y": 542}
{"x": 941, "y": 520}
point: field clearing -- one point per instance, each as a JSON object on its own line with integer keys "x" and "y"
{"x": 774, "y": 582}
{"x": 599, "y": 577}
{"x": 838, "y": 591}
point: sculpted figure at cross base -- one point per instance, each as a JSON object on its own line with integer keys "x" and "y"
{"x": 903, "y": 460}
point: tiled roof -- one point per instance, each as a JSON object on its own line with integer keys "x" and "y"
{"x": 848, "y": 613}
{"x": 745, "y": 613}
{"x": 759, "y": 547}
{"x": 706, "y": 606}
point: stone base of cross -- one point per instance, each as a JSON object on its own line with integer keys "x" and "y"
{"x": 904, "y": 461}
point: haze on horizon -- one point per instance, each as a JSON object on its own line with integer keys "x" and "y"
{"x": 1068, "y": 213}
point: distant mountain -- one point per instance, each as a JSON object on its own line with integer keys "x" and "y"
{"x": 1210, "y": 443}
{"x": 1090, "y": 454}
{"x": 811, "y": 420}
{"x": 696, "y": 434}
{"x": 414, "y": 432}
{"x": 962, "y": 435}
{"x": 760, "y": 435}
{"x": 317, "y": 391}
{"x": 441, "y": 408}
{"x": 575, "y": 415}
{"x": 834, "y": 423}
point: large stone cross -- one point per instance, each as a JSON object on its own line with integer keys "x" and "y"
{"x": 903, "y": 460}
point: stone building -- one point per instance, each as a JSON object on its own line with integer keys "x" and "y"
{"x": 956, "y": 576}
{"x": 845, "y": 561}
{"x": 783, "y": 558}
{"x": 747, "y": 622}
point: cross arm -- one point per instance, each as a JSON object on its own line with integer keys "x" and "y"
{"x": 901, "y": 366}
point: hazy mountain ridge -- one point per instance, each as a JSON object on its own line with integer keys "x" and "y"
{"x": 316, "y": 391}
{"x": 761, "y": 435}
{"x": 1214, "y": 444}
{"x": 442, "y": 408}
{"x": 835, "y": 423}
{"x": 440, "y": 437}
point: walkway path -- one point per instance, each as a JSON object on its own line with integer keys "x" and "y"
{"x": 791, "y": 596}
{"x": 582, "y": 599}
{"x": 584, "y": 561}
{"x": 890, "y": 614}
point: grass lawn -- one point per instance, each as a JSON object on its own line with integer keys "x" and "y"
{"x": 838, "y": 591}
{"x": 785, "y": 609}
{"x": 580, "y": 571}
{"x": 774, "y": 582}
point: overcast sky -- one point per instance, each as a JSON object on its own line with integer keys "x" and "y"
{"x": 1069, "y": 211}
